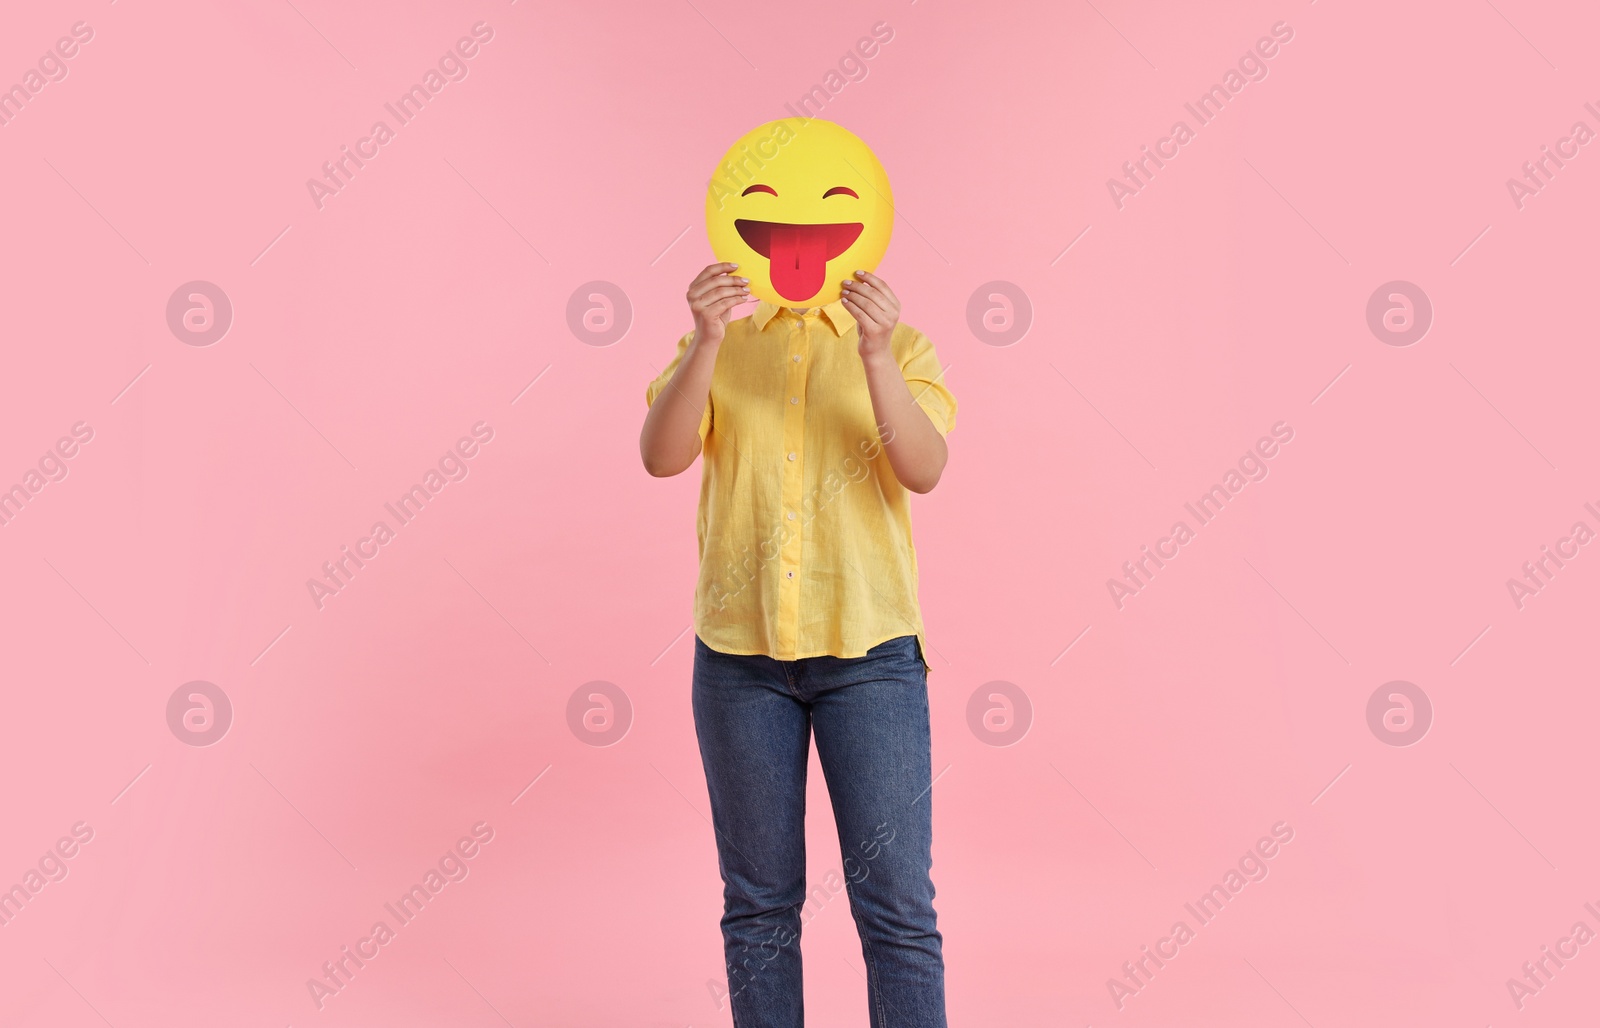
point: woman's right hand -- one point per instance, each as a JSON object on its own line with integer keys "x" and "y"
{"x": 712, "y": 296}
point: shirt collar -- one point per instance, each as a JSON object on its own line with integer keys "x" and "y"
{"x": 834, "y": 314}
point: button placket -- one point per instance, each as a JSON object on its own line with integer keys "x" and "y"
{"x": 793, "y": 484}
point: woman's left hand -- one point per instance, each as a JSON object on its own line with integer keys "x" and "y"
{"x": 876, "y": 309}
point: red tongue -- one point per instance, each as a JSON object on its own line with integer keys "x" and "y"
{"x": 798, "y": 254}
{"x": 799, "y": 257}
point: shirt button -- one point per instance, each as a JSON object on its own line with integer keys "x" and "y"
{"x": 794, "y": 399}
{"x": 791, "y": 456}
{"x": 797, "y": 358}
{"x": 791, "y": 574}
{"x": 791, "y": 515}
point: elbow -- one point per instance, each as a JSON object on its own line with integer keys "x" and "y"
{"x": 658, "y": 465}
{"x": 650, "y": 455}
{"x": 924, "y": 483}
{"x": 655, "y": 467}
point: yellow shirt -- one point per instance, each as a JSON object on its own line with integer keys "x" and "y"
{"x": 804, "y": 530}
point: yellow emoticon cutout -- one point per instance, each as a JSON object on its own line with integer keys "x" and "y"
{"x": 799, "y": 205}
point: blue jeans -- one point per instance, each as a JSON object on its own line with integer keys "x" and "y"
{"x": 754, "y": 716}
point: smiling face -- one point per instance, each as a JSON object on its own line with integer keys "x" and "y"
{"x": 799, "y": 206}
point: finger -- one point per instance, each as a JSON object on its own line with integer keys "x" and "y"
{"x": 864, "y": 301}
{"x": 866, "y": 294}
{"x": 721, "y": 279}
{"x": 879, "y": 284}
{"x": 715, "y": 296}
{"x": 879, "y": 293}
{"x": 720, "y": 268}
{"x": 723, "y": 311}
{"x": 711, "y": 271}
{"x": 863, "y": 319}
{"x": 711, "y": 285}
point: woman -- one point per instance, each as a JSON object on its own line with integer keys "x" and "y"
{"x": 815, "y": 424}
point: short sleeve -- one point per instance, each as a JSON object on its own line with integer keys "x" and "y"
{"x": 660, "y": 383}
{"x": 923, "y": 373}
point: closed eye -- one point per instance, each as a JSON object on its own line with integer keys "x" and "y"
{"x": 759, "y": 188}
{"x": 840, "y": 191}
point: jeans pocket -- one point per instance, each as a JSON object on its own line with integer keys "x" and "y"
{"x": 906, "y": 653}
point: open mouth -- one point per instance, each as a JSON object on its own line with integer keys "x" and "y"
{"x": 799, "y": 254}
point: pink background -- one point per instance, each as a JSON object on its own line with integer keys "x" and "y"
{"x": 424, "y": 698}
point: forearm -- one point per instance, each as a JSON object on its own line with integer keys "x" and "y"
{"x": 915, "y": 449}
{"x": 670, "y": 439}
